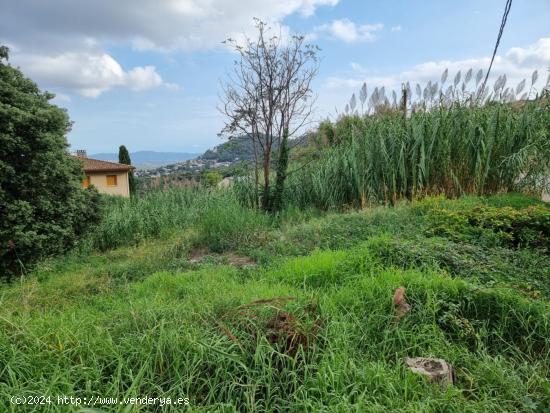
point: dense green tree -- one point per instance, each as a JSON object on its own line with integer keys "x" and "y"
{"x": 211, "y": 179}
{"x": 325, "y": 135}
{"x": 43, "y": 208}
{"x": 124, "y": 157}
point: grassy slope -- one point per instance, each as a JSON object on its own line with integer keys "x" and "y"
{"x": 141, "y": 320}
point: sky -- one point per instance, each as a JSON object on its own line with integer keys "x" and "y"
{"x": 147, "y": 73}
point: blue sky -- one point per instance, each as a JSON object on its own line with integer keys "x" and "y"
{"x": 146, "y": 73}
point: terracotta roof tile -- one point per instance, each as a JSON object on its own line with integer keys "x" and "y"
{"x": 96, "y": 165}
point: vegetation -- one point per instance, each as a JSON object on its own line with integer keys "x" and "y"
{"x": 238, "y": 148}
{"x": 211, "y": 178}
{"x": 455, "y": 151}
{"x": 161, "y": 214}
{"x": 277, "y": 197}
{"x": 305, "y": 323}
{"x": 43, "y": 208}
{"x": 124, "y": 157}
{"x": 196, "y": 293}
{"x": 457, "y": 141}
{"x": 268, "y": 98}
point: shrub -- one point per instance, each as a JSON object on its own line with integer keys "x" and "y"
{"x": 345, "y": 129}
{"x": 44, "y": 210}
{"x": 513, "y": 200}
{"x": 518, "y": 228}
{"x": 325, "y": 135}
{"x": 211, "y": 179}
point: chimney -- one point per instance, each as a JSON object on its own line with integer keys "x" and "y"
{"x": 81, "y": 153}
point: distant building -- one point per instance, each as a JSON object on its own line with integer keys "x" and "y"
{"x": 107, "y": 177}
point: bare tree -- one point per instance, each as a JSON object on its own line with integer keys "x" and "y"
{"x": 268, "y": 98}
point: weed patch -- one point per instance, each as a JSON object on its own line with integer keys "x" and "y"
{"x": 319, "y": 325}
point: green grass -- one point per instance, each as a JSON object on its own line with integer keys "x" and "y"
{"x": 140, "y": 319}
{"x": 161, "y": 214}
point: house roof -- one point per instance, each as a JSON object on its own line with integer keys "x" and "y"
{"x": 96, "y": 165}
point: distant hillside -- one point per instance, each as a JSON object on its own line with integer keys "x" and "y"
{"x": 148, "y": 159}
{"x": 236, "y": 149}
{"x": 240, "y": 149}
{"x": 226, "y": 154}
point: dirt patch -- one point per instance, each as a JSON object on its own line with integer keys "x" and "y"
{"x": 197, "y": 255}
{"x": 237, "y": 260}
{"x": 203, "y": 255}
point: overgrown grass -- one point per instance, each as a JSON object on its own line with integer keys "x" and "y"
{"x": 217, "y": 214}
{"x": 311, "y": 329}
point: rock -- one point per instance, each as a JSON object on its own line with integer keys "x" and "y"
{"x": 401, "y": 305}
{"x": 437, "y": 370}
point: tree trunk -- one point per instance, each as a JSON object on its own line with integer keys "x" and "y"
{"x": 282, "y": 166}
{"x": 256, "y": 174}
{"x": 266, "y": 198}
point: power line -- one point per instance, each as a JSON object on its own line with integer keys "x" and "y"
{"x": 502, "y": 24}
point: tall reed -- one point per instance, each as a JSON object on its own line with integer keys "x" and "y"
{"x": 453, "y": 151}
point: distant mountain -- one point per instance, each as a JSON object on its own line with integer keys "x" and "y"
{"x": 235, "y": 149}
{"x": 148, "y": 159}
{"x": 225, "y": 154}
{"x": 240, "y": 148}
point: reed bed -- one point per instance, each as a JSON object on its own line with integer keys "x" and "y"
{"x": 452, "y": 151}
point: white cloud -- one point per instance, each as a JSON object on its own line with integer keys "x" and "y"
{"x": 141, "y": 78}
{"x": 396, "y": 28}
{"x": 59, "y": 43}
{"x": 537, "y": 53}
{"x": 90, "y": 74}
{"x": 307, "y": 7}
{"x": 517, "y": 63}
{"x": 172, "y": 86}
{"x": 158, "y": 25}
{"x": 348, "y": 31}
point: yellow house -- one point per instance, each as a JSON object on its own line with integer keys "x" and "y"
{"x": 107, "y": 177}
